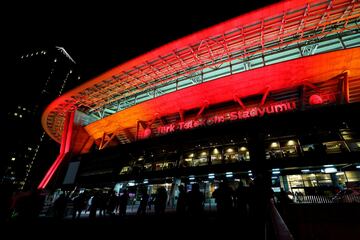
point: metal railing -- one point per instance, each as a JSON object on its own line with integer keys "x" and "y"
{"x": 318, "y": 199}
{"x": 279, "y": 227}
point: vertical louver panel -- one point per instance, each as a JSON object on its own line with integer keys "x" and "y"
{"x": 354, "y": 90}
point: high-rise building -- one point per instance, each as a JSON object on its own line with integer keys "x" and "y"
{"x": 37, "y": 77}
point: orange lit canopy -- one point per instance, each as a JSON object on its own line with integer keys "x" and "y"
{"x": 283, "y": 75}
{"x": 257, "y": 32}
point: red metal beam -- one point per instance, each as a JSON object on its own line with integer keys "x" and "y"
{"x": 309, "y": 84}
{"x": 238, "y": 100}
{"x": 64, "y": 149}
{"x": 266, "y": 93}
{"x": 181, "y": 113}
{"x": 204, "y": 105}
{"x": 345, "y": 89}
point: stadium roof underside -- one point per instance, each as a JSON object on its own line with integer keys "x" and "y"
{"x": 277, "y": 33}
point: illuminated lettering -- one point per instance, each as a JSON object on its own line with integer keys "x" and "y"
{"x": 246, "y": 114}
{"x": 171, "y": 128}
{"x": 261, "y": 111}
{"x": 199, "y": 122}
{"x": 210, "y": 121}
{"x": 188, "y": 124}
{"x": 228, "y": 116}
{"x": 161, "y": 130}
{"x": 269, "y": 109}
{"x": 233, "y": 116}
{"x": 219, "y": 119}
{"x": 280, "y": 107}
{"x": 253, "y": 112}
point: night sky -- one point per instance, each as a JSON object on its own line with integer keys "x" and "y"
{"x": 99, "y": 36}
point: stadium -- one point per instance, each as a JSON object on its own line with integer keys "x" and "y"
{"x": 275, "y": 92}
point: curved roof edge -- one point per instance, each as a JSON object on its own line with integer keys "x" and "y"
{"x": 193, "y": 38}
{"x": 341, "y": 60}
{"x": 293, "y": 73}
{"x": 179, "y": 44}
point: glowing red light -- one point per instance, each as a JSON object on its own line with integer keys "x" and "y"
{"x": 147, "y": 132}
{"x": 315, "y": 99}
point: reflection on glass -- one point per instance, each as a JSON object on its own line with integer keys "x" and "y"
{"x": 295, "y": 181}
{"x": 202, "y": 161}
{"x": 353, "y": 176}
{"x": 169, "y": 165}
{"x": 125, "y": 170}
{"x": 309, "y": 180}
{"x": 147, "y": 167}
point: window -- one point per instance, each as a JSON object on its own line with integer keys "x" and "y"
{"x": 169, "y": 165}
{"x": 289, "y": 148}
{"x": 354, "y": 146}
{"x": 309, "y": 180}
{"x": 215, "y": 156}
{"x": 295, "y": 181}
{"x": 244, "y": 154}
{"x": 231, "y": 154}
{"x": 274, "y": 151}
{"x": 323, "y": 179}
{"x": 353, "y": 176}
{"x": 335, "y": 147}
{"x": 147, "y": 167}
{"x": 282, "y": 149}
{"x": 195, "y": 159}
{"x": 187, "y": 161}
{"x": 125, "y": 170}
{"x": 159, "y": 166}
{"x": 201, "y": 158}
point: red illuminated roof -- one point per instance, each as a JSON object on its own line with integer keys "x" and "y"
{"x": 255, "y": 32}
{"x": 278, "y": 76}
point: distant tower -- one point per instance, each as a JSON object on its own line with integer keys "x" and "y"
{"x": 41, "y": 76}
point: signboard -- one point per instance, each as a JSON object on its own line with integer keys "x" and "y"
{"x": 228, "y": 116}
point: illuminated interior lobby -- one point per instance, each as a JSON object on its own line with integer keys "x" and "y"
{"x": 275, "y": 91}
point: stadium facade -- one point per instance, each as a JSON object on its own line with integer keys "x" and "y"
{"x": 274, "y": 92}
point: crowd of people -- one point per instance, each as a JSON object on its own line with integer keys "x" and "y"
{"x": 244, "y": 202}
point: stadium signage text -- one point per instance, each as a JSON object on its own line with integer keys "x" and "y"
{"x": 228, "y": 116}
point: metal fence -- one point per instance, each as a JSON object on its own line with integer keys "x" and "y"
{"x": 327, "y": 199}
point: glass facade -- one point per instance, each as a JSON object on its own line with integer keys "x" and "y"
{"x": 312, "y": 178}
